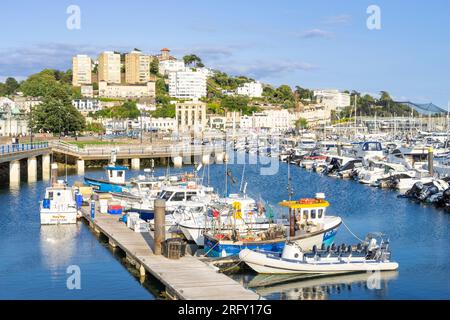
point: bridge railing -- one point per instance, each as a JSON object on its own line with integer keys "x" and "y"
{"x": 23, "y": 147}
{"x": 122, "y": 150}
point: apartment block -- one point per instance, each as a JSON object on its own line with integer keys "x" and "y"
{"x": 137, "y": 68}
{"x": 188, "y": 84}
{"x": 81, "y": 70}
{"x": 109, "y": 67}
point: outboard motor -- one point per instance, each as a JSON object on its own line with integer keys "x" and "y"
{"x": 415, "y": 190}
{"x": 427, "y": 191}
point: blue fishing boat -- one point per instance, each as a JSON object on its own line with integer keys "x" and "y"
{"x": 308, "y": 227}
{"x": 114, "y": 183}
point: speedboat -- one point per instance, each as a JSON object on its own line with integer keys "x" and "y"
{"x": 59, "y": 205}
{"x": 369, "y": 256}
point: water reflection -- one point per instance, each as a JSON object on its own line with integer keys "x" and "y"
{"x": 58, "y": 245}
{"x": 321, "y": 288}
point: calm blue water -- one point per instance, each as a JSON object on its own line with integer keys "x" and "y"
{"x": 34, "y": 259}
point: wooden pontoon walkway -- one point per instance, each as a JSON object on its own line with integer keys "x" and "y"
{"x": 187, "y": 278}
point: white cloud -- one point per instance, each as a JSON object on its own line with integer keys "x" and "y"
{"x": 338, "y": 19}
{"x": 314, "y": 33}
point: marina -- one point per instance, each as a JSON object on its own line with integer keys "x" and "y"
{"x": 379, "y": 210}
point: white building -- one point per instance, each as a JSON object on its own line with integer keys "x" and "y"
{"x": 13, "y": 122}
{"x": 332, "y": 98}
{"x": 187, "y": 84}
{"x": 316, "y": 115}
{"x": 126, "y": 91}
{"x": 167, "y": 66}
{"x": 87, "y": 105}
{"x": 251, "y": 89}
{"x": 271, "y": 120}
{"x": 163, "y": 124}
{"x": 191, "y": 116}
{"x": 87, "y": 91}
{"x": 25, "y": 104}
{"x": 81, "y": 70}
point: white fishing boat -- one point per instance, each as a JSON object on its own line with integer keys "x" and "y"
{"x": 59, "y": 205}
{"x": 371, "y": 256}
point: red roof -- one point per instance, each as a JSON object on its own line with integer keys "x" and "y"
{"x": 165, "y": 49}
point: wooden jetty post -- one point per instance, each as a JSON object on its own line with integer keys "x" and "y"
{"x": 54, "y": 173}
{"x": 160, "y": 224}
{"x": 430, "y": 161}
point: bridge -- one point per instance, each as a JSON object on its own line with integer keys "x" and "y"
{"x": 28, "y": 157}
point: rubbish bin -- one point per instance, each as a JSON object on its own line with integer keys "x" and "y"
{"x": 174, "y": 248}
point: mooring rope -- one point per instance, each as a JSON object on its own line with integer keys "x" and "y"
{"x": 348, "y": 229}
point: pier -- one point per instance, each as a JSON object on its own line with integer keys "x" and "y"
{"x": 25, "y": 159}
{"x": 185, "y": 279}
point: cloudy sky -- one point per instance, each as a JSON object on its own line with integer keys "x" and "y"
{"x": 315, "y": 44}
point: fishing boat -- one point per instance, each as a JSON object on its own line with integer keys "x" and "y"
{"x": 115, "y": 181}
{"x": 59, "y": 205}
{"x": 308, "y": 226}
{"x": 369, "y": 256}
{"x": 251, "y": 218}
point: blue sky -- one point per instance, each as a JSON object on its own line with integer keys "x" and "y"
{"x": 315, "y": 44}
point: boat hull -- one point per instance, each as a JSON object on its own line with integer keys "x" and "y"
{"x": 104, "y": 186}
{"x": 218, "y": 248}
{"x": 55, "y": 217}
{"x": 265, "y": 264}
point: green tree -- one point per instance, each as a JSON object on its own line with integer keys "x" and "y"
{"x": 154, "y": 66}
{"x": 2, "y": 89}
{"x": 301, "y": 124}
{"x": 164, "y": 111}
{"x": 11, "y": 86}
{"x": 193, "y": 60}
{"x": 56, "y": 114}
{"x": 44, "y": 83}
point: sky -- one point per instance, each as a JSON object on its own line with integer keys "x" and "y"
{"x": 313, "y": 44}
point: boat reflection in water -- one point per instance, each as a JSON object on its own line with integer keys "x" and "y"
{"x": 58, "y": 245}
{"x": 290, "y": 287}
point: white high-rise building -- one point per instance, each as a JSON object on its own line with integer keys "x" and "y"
{"x": 187, "y": 84}
{"x": 332, "y": 98}
{"x": 81, "y": 70}
{"x": 167, "y": 66}
{"x": 251, "y": 89}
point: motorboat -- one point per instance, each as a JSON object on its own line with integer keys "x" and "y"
{"x": 59, "y": 205}
{"x": 368, "y": 256}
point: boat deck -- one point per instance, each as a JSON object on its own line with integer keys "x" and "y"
{"x": 187, "y": 278}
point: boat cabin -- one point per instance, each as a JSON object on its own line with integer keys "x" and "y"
{"x": 306, "y": 212}
{"x": 116, "y": 174}
{"x": 370, "y": 149}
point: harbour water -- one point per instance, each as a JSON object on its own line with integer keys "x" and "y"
{"x": 34, "y": 259}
